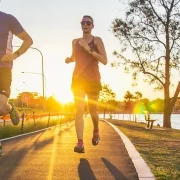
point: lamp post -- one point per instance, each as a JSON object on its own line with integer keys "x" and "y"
{"x": 42, "y": 64}
{"x": 42, "y": 70}
{"x": 44, "y": 78}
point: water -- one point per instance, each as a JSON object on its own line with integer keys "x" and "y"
{"x": 175, "y": 118}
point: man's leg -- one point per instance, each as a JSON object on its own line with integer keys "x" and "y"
{"x": 4, "y": 94}
{"x": 92, "y": 104}
{"x": 5, "y": 107}
{"x": 79, "y": 98}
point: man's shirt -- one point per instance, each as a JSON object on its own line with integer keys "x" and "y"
{"x": 9, "y": 25}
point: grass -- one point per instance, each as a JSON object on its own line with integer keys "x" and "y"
{"x": 159, "y": 147}
{"x": 29, "y": 126}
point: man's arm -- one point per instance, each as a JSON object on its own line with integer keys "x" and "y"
{"x": 27, "y": 42}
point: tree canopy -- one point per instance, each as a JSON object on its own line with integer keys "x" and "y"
{"x": 151, "y": 32}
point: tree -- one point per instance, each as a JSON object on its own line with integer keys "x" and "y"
{"x": 128, "y": 96}
{"x": 52, "y": 105}
{"x": 132, "y": 102}
{"x": 26, "y": 99}
{"x": 139, "y": 106}
{"x": 156, "y": 105}
{"x": 128, "y": 102}
{"x": 138, "y": 95}
{"x": 107, "y": 98}
{"x": 151, "y": 31}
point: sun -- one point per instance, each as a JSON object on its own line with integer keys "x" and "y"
{"x": 64, "y": 97}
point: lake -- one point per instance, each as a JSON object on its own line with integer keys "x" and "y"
{"x": 175, "y": 118}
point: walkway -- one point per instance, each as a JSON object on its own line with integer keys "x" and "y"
{"x": 48, "y": 155}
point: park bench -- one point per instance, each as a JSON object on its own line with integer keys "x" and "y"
{"x": 149, "y": 121}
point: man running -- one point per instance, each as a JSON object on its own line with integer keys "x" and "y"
{"x": 87, "y": 52}
{"x": 9, "y": 26}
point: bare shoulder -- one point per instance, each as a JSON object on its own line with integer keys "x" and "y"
{"x": 75, "y": 41}
{"x": 97, "y": 40}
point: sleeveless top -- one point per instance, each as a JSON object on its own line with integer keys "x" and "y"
{"x": 86, "y": 66}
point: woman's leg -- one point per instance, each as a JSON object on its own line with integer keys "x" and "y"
{"x": 92, "y": 104}
{"x": 79, "y": 98}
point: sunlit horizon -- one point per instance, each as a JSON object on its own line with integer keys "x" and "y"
{"x": 55, "y": 43}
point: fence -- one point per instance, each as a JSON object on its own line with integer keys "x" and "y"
{"x": 57, "y": 118}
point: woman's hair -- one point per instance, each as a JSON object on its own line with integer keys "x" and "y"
{"x": 87, "y": 16}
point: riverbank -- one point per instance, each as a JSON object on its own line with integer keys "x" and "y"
{"x": 175, "y": 118}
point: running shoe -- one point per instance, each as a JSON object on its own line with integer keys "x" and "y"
{"x": 79, "y": 148}
{"x": 95, "y": 139}
{"x": 14, "y": 114}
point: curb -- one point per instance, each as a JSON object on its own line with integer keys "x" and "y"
{"x": 140, "y": 165}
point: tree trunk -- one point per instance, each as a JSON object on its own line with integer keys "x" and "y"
{"x": 167, "y": 104}
{"x": 174, "y": 99}
{"x": 167, "y": 119}
{"x": 167, "y": 112}
{"x": 168, "y": 107}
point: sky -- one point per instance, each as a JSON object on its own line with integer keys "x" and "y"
{"x": 53, "y": 24}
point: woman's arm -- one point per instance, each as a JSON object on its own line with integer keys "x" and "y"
{"x": 101, "y": 56}
{"x": 72, "y": 58}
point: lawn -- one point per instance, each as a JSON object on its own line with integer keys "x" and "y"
{"x": 159, "y": 147}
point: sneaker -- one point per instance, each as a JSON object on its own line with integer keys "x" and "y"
{"x": 79, "y": 148}
{"x": 14, "y": 114}
{"x": 95, "y": 139}
{"x": 1, "y": 151}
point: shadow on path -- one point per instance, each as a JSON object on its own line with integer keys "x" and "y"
{"x": 85, "y": 171}
{"x": 12, "y": 159}
{"x": 113, "y": 170}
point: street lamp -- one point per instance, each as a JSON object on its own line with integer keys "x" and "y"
{"x": 42, "y": 71}
{"x": 44, "y": 78}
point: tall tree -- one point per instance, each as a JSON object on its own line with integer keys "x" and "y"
{"x": 128, "y": 96}
{"x": 128, "y": 102}
{"x": 151, "y": 31}
{"x": 107, "y": 98}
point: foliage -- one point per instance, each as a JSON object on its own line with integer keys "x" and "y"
{"x": 32, "y": 100}
{"x": 133, "y": 103}
{"x": 150, "y": 33}
{"x": 107, "y": 98}
{"x": 53, "y": 105}
{"x": 106, "y": 94}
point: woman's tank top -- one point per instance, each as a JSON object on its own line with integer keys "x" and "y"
{"x": 86, "y": 66}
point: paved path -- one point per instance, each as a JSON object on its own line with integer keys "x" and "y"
{"x": 48, "y": 155}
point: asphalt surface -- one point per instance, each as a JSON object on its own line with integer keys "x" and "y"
{"x": 49, "y": 155}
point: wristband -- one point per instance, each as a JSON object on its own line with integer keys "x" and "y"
{"x": 91, "y": 51}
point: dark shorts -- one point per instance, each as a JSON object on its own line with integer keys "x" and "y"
{"x": 86, "y": 86}
{"x": 5, "y": 81}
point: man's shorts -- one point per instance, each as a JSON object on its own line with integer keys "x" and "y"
{"x": 89, "y": 87}
{"x": 5, "y": 81}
